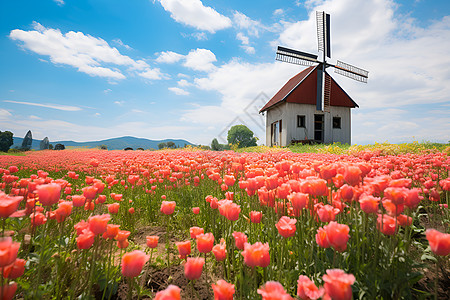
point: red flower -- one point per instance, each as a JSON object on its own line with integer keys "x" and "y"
{"x": 8, "y": 290}
{"x": 113, "y": 208}
{"x": 172, "y": 292}
{"x": 229, "y": 209}
{"x": 337, "y": 235}
{"x": 338, "y": 284}
{"x": 286, "y": 226}
{"x": 386, "y": 224}
{"x": 49, "y": 194}
{"x": 97, "y": 223}
{"x": 15, "y": 270}
{"x": 439, "y": 242}
{"x": 196, "y": 210}
{"x": 299, "y": 200}
{"x": 256, "y": 254}
{"x": 205, "y": 242}
{"x": 223, "y": 290}
{"x": 327, "y": 213}
{"x": 240, "y": 238}
{"x": 90, "y": 192}
{"x": 321, "y": 238}
{"x": 152, "y": 241}
{"x": 132, "y": 263}
{"x": 168, "y": 207}
{"x": 64, "y": 210}
{"x": 352, "y": 175}
{"x": 307, "y": 290}
{"x": 111, "y": 232}
{"x": 78, "y": 200}
{"x": 255, "y": 217}
{"x": 369, "y": 204}
{"x": 8, "y": 205}
{"x": 193, "y": 267}
{"x": 194, "y": 231}
{"x": 220, "y": 251}
{"x": 273, "y": 290}
{"x": 85, "y": 239}
{"x": 184, "y": 248}
{"x": 8, "y": 251}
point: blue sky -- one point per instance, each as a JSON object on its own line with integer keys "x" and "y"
{"x": 86, "y": 70}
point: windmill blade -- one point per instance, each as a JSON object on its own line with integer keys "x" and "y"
{"x": 320, "y": 87}
{"x": 295, "y": 56}
{"x": 352, "y": 72}
{"x": 323, "y": 33}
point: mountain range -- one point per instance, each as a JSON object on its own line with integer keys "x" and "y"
{"x": 119, "y": 143}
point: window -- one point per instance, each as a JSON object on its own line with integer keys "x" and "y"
{"x": 300, "y": 121}
{"x": 336, "y": 122}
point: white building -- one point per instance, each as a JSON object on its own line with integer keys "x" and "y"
{"x": 291, "y": 114}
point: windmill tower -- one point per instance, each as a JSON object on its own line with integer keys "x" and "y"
{"x": 307, "y": 59}
{"x": 312, "y": 106}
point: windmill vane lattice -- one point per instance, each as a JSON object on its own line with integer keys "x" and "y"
{"x": 307, "y": 59}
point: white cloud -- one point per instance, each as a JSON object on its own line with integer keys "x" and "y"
{"x": 53, "y": 106}
{"x": 184, "y": 83}
{"x": 90, "y": 55}
{"x": 243, "y": 22}
{"x": 245, "y": 43}
{"x": 107, "y": 91}
{"x": 169, "y": 57}
{"x": 33, "y": 117}
{"x": 200, "y": 60}
{"x": 193, "y": 13}
{"x": 4, "y": 114}
{"x": 97, "y": 114}
{"x": 178, "y": 91}
{"x": 59, "y": 2}
{"x": 278, "y": 12}
{"x": 120, "y": 43}
{"x": 120, "y": 103}
{"x": 137, "y": 111}
{"x": 153, "y": 74}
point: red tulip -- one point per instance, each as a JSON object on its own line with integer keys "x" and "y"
{"x": 256, "y": 254}
{"x": 386, "y": 224}
{"x": 273, "y": 290}
{"x": 15, "y": 270}
{"x": 321, "y": 238}
{"x": 194, "y": 231}
{"x": 8, "y": 204}
{"x": 223, "y": 290}
{"x": 184, "y": 248}
{"x": 49, "y": 194}
{"x": 205, "y": 242}
{"x": 8, "y": 251}
{"x": 172, "y": 292}
{"x": 307, "y": 290}
{"x": 152, "y": 241}
{"x": 299, "y": 200}
{"x": 113, "y": 208}
{"x": 220, "y": 250}
{"x": 196, "y": 210}
{"x": 85, "y": 239}
{"x": 338, "y": 284}
{"x": 352, "y": 175}
{"x": 8, "y": 291}
{"x": 369, "y": 204}
{"x": 229, "y": 209}
{"x": 64, "y": 210}
{"x": 439, "y": 242}
{"x": 78, "y": 200}
{"x": 240, "y": 238}
{"x": 111, "y": 232}
{"x": 327, "y": 213}
{"x": 193, "y": 267}
{"x": 90, "y": 192}
{"x": 337, "y": 235}
{"x": 255, "y": 217}
{"x": 98, "y": 223}
{"x": 132, "y": 263}
{"x": 286, "y": 226}
{"x": 168, "y": 207}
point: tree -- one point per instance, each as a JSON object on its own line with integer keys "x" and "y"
{"x": 27, "y": 141}
{"x": 6, "y": 140}
{"x": 162, "y": 146}
{"x": 171, "y": 144}
{"x": 43, "y": 145}
{"x": 103, "y": 147}
{"x": 50, "y": 146}
{"x": 215, "y": 146}
{"x": 60, "y": 147}
{"x": 242, "y": 136}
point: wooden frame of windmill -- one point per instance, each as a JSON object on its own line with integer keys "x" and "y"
{"x": 311, "y": 106}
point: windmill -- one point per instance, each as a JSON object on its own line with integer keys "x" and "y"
{"x": 307, "y": 59}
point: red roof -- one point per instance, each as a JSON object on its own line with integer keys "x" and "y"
{"x": 302, "y": 88}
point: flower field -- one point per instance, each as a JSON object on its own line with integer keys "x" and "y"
{"x": 186, "y": 224}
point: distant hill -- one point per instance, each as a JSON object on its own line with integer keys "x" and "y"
{"x": 119, "y": 143}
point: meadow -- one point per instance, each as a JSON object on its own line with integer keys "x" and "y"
{"x": 309, "y": 222}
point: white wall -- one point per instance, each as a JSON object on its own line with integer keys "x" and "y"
{"x": 288, "y": 112}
